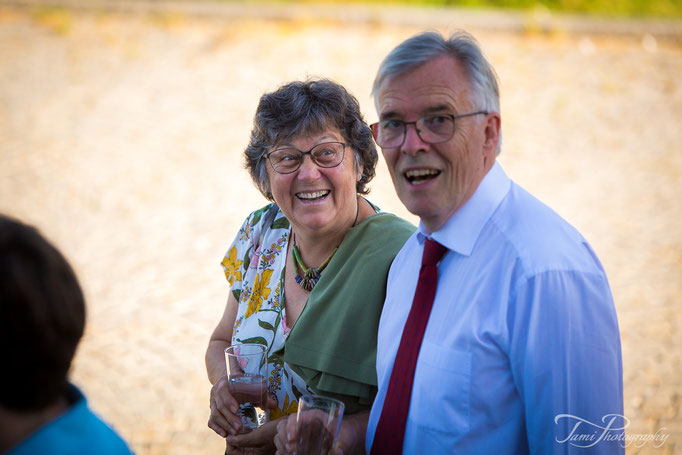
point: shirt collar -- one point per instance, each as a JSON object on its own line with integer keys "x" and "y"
{"x": 460, "y": 232}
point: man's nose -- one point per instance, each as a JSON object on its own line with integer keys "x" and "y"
{"x": 413, "y": 142}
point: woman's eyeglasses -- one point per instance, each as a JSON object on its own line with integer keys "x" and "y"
{"x": 288, "y": 159}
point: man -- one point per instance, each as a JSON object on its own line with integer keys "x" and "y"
{"x": 42, "y": 317}
{"x": 517, "y": 348}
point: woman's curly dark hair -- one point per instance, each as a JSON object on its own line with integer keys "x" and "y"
{"x": 305, "y": 108}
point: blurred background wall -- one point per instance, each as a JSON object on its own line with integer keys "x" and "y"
{"x": 122, "y": 127}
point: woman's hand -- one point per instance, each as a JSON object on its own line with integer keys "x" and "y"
{"x": 351, "y": 439}
{"x": 224, "y": 419}
{"x": 257, "y": 442}
{"x": 285, "y": 439}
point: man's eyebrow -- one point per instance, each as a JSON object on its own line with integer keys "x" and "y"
{"x": 388, "y": 114}
{"x": 439, "y": 108}
{"x": 428, "y": 110}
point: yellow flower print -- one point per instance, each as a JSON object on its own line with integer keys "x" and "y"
{"x": 232, "y": 265}
{"x": 287, "y": 409}
{"x": 259, "y": 293}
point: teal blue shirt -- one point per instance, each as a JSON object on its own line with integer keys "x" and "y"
{"x": 76, "y": 432}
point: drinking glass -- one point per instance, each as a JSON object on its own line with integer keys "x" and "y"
{"x": 318, "y": 420}
{"x": 247, "y": 373}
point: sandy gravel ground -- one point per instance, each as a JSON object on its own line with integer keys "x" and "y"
{"x": 121, "y": 135}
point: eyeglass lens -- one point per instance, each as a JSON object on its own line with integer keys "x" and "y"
{"x": 432, "y": 129}
{"x": 326, "y": 154}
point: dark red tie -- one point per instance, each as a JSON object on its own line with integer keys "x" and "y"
{"x": 390, "y": 432}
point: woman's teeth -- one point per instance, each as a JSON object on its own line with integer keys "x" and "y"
{"x": 312, "y": 195}
{"x": 420, "y": 175}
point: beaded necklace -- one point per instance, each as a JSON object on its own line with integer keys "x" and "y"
{"x": 311, "y": 275}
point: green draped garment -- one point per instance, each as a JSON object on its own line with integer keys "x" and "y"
{"x": 332, "y": 345}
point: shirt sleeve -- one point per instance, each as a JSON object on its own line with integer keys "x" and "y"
{"x": 236, "y": 261}
{"x": 566, "y": 362}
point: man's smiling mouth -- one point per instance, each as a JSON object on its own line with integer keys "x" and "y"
{"x": 417, "y": 176}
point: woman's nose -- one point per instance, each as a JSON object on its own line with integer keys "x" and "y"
{"x": 308, "y": 170}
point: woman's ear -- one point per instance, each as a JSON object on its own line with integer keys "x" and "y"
{"x": 359, "y": 168}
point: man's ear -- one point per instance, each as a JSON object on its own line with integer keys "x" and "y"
{"x": 492, "y": 134}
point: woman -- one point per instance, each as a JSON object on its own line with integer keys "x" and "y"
{"x": 308, "y": 271}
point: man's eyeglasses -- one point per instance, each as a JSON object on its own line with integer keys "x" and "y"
{"x": 287, "y": 160}
{"x": 432, "y": 129}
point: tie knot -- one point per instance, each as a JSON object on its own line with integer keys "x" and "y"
{"x": 433, "y": 252}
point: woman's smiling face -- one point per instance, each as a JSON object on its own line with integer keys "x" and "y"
{"x": 317, "y": 200}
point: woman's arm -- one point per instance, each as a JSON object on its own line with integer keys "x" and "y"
{"x": 220, "y": 340}
{"x": 223, "y": 419}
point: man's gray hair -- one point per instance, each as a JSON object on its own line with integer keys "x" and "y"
{"x": 461, "y": 46}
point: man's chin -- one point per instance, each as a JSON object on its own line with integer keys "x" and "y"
{"x": 417, "y": 201}
{"x": 430, "y": 214}
{"x": 420, "y": 208}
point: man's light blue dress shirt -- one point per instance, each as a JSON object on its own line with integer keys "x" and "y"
{"x": 522, "y": 342}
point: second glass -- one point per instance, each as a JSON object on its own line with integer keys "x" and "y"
{"x": 318, "y": 421}
{"x": 247, "y": 373}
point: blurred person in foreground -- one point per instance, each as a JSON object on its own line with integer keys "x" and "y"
{"x": 42, "y": 318}
{"x": 499, "y": 332}
{"x": 308, "y": 271}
